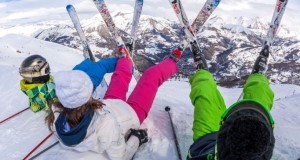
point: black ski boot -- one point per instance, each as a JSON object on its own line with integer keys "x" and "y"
{"x": 130, "y": 47}
{"x": 261, "y": 63}
{"x": 199, "y": 58}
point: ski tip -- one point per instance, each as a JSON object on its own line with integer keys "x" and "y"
{"x": 216, "y": 3}
{"x": 167, "y": 108}
{"x": 69, "y": 7}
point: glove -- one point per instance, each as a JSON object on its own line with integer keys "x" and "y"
{"x": 141, "y": 134}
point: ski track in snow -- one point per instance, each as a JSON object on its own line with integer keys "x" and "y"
{"x": 22, "y": 133}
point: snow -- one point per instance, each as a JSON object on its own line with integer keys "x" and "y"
{"x": 28, "y": 29}
{"x": 22, "y": 133}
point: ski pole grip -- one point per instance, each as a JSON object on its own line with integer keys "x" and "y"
{"x": 167, "y": 108}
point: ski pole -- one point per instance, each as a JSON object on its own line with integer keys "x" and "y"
{"x": 43, "y": 151}
{"x": 36, "y": 147}
{"x": 167, "y": 109}
{"x": 14, "y": 115}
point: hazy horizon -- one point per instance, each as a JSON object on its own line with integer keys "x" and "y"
{"x": 18, "y": 12}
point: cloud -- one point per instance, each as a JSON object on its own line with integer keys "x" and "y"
{"x": 2, "y": 5}
{"x": 238, "y": 6}
{"x": 22, "y": 11}
{"x": 3, "y": 1}
{"x": 85, "y": 7}
{"x": 35, "y": 13}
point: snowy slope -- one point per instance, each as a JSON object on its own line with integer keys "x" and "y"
{"x": 28, "y": 29}
{"x": 22, "y": 133}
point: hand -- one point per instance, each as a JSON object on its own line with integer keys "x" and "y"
{"x": 141, "y": 134}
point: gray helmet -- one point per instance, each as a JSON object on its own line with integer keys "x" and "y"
{"x": 35, "y": 69}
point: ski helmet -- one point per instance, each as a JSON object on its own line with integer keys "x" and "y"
{"x": 35, "y": 69}
{"x": 246, "y": 132}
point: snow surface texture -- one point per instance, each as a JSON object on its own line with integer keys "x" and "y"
{"x": 22, "y": 133}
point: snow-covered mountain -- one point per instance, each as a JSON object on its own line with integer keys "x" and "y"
{"x": 28, "y": 29}
{"x": 230, "y": 45}
{"x": 23, "y": 132}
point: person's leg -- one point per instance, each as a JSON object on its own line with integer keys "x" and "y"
{"x": 97, "y": 70}
{"x": 208, "y": 102}
{"x": 142, "y": 97}
{"x": 120, "y": 80}
{"x": 84, "y": 65}
{"x": 258, "y": 88}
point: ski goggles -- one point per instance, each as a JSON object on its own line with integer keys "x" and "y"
{"x": 251, "y": 105}
{"x": 31, "y": 74}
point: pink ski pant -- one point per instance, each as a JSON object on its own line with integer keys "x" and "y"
{"x": 143, "y": 95}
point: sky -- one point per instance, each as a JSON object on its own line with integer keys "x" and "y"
{"x": 16, "y": 12}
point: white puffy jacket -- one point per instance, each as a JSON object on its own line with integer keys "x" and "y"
{"x": 107, "y": 131}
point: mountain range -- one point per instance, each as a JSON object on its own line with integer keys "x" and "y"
{"x": 230, "y": 44}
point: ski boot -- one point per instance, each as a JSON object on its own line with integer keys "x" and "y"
{"x": 260, "y": 65}
{"x": 123, "y": 52}
{"x": 86, "y": 53}
{"x": 199, "y": 58}
{"x": 176, "y": 54}
{"x": 130, "y": 47}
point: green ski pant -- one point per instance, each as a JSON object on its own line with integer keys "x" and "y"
{"x": 209, "y": 103}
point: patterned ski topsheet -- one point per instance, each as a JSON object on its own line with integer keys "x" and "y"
{"x": 276, "y": 19}
{"x": 181, "y": 15}
{"x": 102, "y": 8}
{"x": 73, "y": 15}
{"x": 204, "y": 14}
{"x": 191, "y": 30}
{"x": 136, "y": 18}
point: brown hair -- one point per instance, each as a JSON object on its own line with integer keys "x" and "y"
{"x": 75, "y": 115}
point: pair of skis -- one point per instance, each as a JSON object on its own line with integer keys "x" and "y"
{"x": 112, "y": 28}
{"x": 104, "y": 12}
{"x": 208, "y": 8}
{"x": 192, "y": 30}
{"x": 190, "y": 39}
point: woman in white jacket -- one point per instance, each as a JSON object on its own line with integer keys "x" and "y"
{"x": 112, "y": 125}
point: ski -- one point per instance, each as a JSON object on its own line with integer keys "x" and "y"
{"x": 272, "y": 31}
{"x": 276, "y": 19}
{"x": 87, "y": 53}
{"x": 184, "y": 22}
{"x": 135, "y": 22}
{"x": 136, "y": 18}
{"x": 191, "y": 30}
{"x": 103, "y": 10}
{"x": 86, "y": 49}
{"x": 204, "y": 14}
